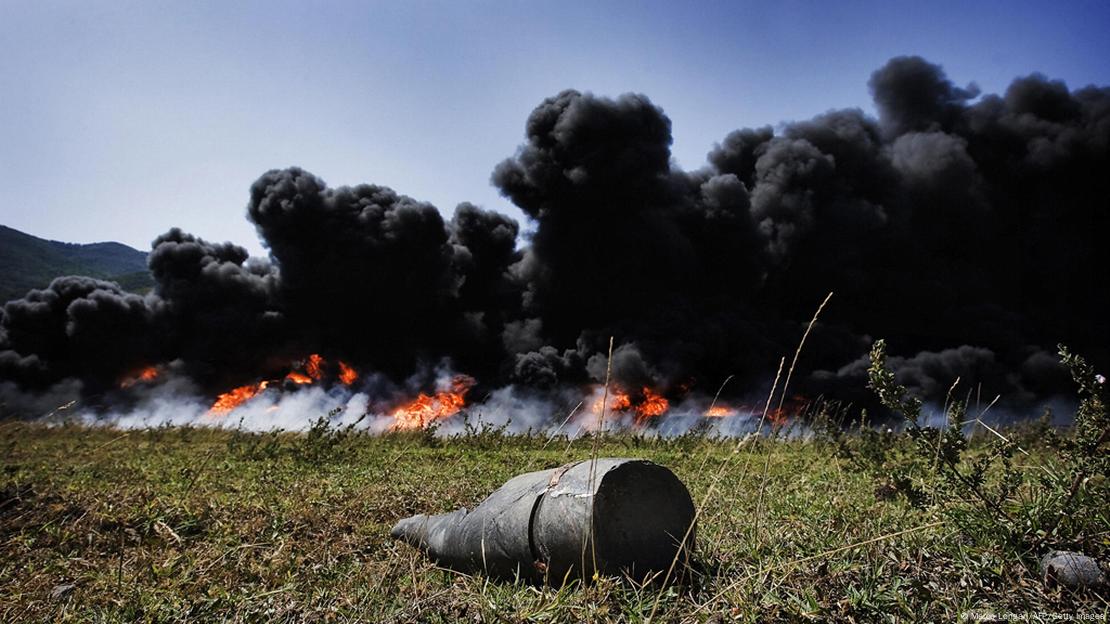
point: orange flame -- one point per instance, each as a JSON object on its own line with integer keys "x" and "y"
{"x": 347, "y": 375}
{"x": 652, "y": 405}
{"x": 313, "y": 366}
{"x": 719, "y": 411}
{"x": 313, "y": 370}
{"x": 425, "y": 409}
{"x": 792, "y": 407}
{"x": 298, "y": 378}
{"x": 234, "y": 398}
{"x": 618, "y": 402}
{"x": 149, "y": 373}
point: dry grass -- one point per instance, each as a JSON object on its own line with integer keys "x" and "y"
{"x": 203, "y": 525}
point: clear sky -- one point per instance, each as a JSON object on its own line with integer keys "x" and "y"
{"x": 119, "y": 120}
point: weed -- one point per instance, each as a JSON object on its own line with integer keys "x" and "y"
{"x": 1022, "y": 507}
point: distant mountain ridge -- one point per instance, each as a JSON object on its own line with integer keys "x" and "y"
{"x": 28, "y": 262}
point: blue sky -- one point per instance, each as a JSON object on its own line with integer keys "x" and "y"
{"x": 121, "y": 119}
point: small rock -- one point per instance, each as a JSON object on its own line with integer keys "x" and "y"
{"x": 60, "y": 591}
{"x": 1071, "y": 569}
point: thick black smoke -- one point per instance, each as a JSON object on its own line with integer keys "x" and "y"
{"x": 219, "y": 310}
{"x": 970, "y": 231}
{"x": 625, "y": 246}
{"x": 77, "y": 327}
{"x": 380, "y": 279}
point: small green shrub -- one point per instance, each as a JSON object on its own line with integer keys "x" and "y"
{"x": 992, "y": 496}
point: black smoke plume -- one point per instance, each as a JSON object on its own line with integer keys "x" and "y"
{"x": 969, "y": 230}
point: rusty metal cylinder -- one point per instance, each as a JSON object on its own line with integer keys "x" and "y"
{"x": 539, "y": 525}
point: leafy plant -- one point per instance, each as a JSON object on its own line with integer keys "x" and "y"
{"x": 983, "y": 490}
{"x": 325, "y": 442}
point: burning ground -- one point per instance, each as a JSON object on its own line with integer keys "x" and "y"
{"x": 967, "y": 229}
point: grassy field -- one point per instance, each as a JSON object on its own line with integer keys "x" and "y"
{"x": 98, "y": 524}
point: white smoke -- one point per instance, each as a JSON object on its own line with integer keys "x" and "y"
{"x": 175, "y": 401}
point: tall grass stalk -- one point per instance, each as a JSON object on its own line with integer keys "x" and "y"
{"x": 728, "y": 462}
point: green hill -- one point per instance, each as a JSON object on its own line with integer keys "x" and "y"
{"x": 28, "y": 262}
